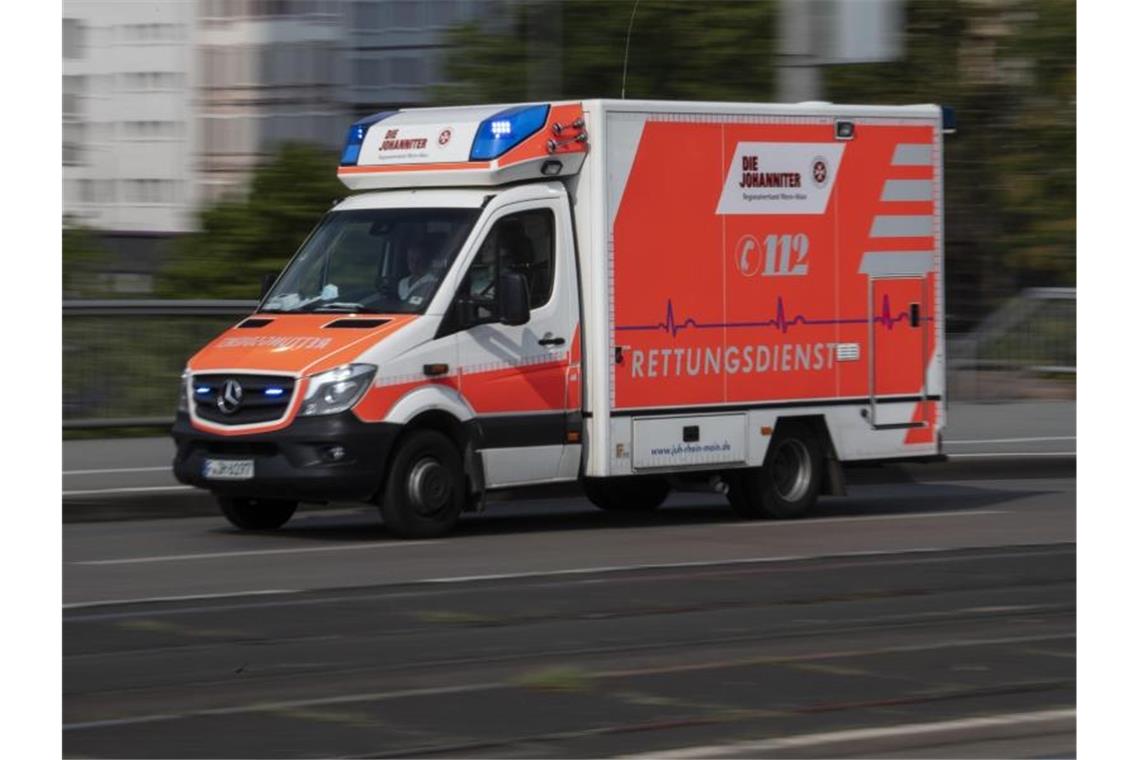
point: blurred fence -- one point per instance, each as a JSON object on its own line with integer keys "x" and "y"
{"x": 122, "y": 359}
{"x": 1026, "y": 348}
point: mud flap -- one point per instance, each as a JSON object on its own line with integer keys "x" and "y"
{"x": 834, "y": 481}
{"x": 476, "y": 485}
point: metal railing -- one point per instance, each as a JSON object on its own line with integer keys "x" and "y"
{"x": 120, "y": 371}
{"x": 1026, "y": 347}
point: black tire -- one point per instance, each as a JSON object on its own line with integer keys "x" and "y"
{"x": 788, "y": 484}
{"x": 626, "y": 494}
{"x": 256, "y": 514}
{"x": 424, "y": 491}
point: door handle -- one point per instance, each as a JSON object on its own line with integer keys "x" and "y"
{"x": 550, "y": 340}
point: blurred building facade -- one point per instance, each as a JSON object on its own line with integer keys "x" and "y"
{"x": 128, "y": 115}
{"x": 270, "y": 72}
{"x": 394, "y": 49}
{"x": 169, "y": 105}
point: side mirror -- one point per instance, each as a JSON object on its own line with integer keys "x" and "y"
{"x": 267, "y": 281}
{"x": 514, "y": 299}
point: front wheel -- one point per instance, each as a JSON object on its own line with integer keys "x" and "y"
{"x": 788, "y": 484}
{"x": 256, "y": 514}
{"x": 626, "y": 494}
{"x": 424, "y": 492}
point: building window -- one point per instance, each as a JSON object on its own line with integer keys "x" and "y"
{"x": 406, "y": 13}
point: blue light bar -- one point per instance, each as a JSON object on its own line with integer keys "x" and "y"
{"x": 202, "y": 389}
{"x": 274, "y": 391}
{"x": 355, "y": 137}
{"x": 506, "y": 129}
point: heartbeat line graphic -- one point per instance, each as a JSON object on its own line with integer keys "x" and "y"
{"x": 886, "y": 317}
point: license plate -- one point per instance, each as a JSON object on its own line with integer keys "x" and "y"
{"x": 228, "y": 469}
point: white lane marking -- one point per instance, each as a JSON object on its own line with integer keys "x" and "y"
{"x": 166, "y": 468}
{"x": 1018, "y": 440}
{"x": 138, "y": 489}
{"x": 394, "y": 544}
{"x": 988, "y": 455}
{"x": 750, "y": 749}
{"x": 186, "y": 598}
{"x": 254, "y": 552}
{"x": 604, "y": 569}
{"x": 287, "y": 705}
{"x": 488, "y": 686}
{"x": 357, "y": 598}
{"x": 870, "y": 518}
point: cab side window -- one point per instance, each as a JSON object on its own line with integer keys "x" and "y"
{"x": 523, "y": 243}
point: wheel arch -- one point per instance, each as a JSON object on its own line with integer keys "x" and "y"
{"x": 834, "y": 483}
{"x": 462, "y": 433}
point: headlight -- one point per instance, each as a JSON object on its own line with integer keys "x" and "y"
{"x": 337, "y": 390}
{"x": 183, "y": 398}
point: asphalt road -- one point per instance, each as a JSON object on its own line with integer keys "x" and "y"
{"x": 920, "y": 619}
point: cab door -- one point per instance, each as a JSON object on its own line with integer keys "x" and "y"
{"x": 521, "y": 380}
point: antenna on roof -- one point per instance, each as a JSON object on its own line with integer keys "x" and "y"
{"x": 625, "y": 61}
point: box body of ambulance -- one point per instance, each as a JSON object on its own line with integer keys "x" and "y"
{"x": 628, "y": 293}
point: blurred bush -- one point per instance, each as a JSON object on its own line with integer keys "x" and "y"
{"x": 242, "y": 238}
{"x": 1009, "y": 70}
{"x": 84, "y": 260}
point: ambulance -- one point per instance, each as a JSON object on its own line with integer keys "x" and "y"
{"x": 635, "y": 295}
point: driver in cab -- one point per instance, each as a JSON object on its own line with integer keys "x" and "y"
{"x": 423, "y": 275}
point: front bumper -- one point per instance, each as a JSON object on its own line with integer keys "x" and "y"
{"x": 291, "y": 463}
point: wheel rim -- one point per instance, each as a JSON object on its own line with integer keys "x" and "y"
{"x": 791, "y": 470}
{"x": 429, "y": 486}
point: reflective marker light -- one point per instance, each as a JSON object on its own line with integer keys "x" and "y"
{"x": 355, "y": 137}
{"x": 507, "y": 129}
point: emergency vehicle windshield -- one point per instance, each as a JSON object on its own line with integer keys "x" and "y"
{"x": 372, "y": 260}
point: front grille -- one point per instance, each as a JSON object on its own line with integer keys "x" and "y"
{"x": 264, "y": 398}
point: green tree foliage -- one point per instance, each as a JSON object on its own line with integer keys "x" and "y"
{"x": 83, "y": 261}
{"x": 712, "y": 50}
{"x": 1009, "y": 69}
{"x": 240, "y": 239}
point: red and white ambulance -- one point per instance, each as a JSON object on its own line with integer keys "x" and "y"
{"x": 636, "y": 295}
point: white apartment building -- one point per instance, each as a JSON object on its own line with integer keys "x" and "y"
{"x": 169, "y": 104}
{"x": 128, "y": 134}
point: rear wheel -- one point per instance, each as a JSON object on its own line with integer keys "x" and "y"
{"x": 626, "y": 494}
{"x": 256, "y": 514}
{"x": 424, "y": 491}
{"x": 788, "y": 484}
